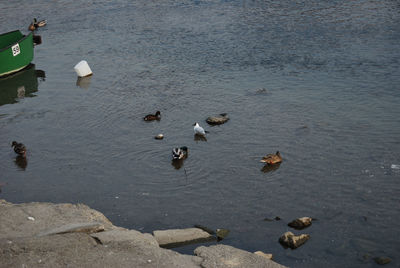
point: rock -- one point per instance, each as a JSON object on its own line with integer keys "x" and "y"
{"x": 300, "y": 223}
{"x": 222, "y": 233}
{"x": 217, "y": 120}
{"x": 159, "y": 137}
{"x": 86, "y": 227}
{"x": 223, "y": 256}
{"x": 48, "y": 216}
{"x": 382, "y": 260}
{"x": 265, "y": 255}
{"x": 292, "y": 241}
{"x": 175, "y": 237}
{"x": 121, "y": 235}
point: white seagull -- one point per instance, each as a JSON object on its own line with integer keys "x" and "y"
{"x": 198, "y": 130}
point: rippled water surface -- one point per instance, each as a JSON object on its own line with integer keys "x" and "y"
{"x": 316, "y": 80}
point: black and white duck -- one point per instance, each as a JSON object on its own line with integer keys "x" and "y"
{"x": 179, "y": 153}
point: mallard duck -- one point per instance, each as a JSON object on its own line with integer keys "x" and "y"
{"x": 272, "y": 158}
{"x": 198, "y": 130}
{"x": 19, "y": 148}
{"x": 152, "y": 117}
{"x": 36, "y": 24}
{"x": 179, "y": 153}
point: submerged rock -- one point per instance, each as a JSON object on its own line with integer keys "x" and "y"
{"x": 292, "y": 241}
{"x": 222, "y": 233}
{"x": 300, "y": 223}
{"x": 274, "y": 219}
{"x": 382, "y": 260}
{"x": 217, "y": 120}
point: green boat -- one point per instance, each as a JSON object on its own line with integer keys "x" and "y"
{"x": 16, "y": 51}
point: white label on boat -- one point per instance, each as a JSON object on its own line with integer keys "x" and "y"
{"x": 15, "y": 50}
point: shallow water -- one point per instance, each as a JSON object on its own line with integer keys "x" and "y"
{"x": 316, "y": 80}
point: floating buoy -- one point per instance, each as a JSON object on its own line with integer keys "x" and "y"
{"x": 82, "y": 69}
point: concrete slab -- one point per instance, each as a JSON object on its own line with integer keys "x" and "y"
{"x": 176, "y": 237}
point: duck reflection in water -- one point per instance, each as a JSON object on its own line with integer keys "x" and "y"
{"x": 270, "y": 167}
{"x": 177, "y": 163}
{"x": 21, "y": 162}
{"x": 198, "y": 137}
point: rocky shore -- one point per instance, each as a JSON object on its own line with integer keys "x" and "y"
{"x": 68, "y": 235}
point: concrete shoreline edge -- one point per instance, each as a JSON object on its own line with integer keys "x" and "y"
{"x": 59, "y": 235}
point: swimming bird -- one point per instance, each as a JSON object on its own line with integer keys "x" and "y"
{"x": 179, "y": 153}
{"x": 272, "y": 158}
{"x": 19, "y": 148}
{"x": 151, "y": 117}
{"x": 36, "y": 24}
{"x": 198, "y": 130}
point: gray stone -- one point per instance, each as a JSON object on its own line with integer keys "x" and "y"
{"x": 20, "y": 245}
{"x": 292, "y": 241}
{"x": 120, "y": 235}
{"x": 85, "y": 227}
{"x": 81, "y": 250}
{"x": 175, "y": 237}
{"x": 300, "y": 223}
{"x": 223, "y": 256}
{"x": 217, "y": 120}
{"x": 47, "y": 216}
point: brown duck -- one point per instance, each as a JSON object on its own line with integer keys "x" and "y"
{"x": 152, "y": 117}
{"x": 19, "y": 148}
{"x": 36, "y": 24}
{"x": 272, "y": 158}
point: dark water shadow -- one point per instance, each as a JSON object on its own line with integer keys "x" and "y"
{"x": 20, "y": 85}
{"x": 21, "y": 162}
{"x": 270, "y": 168}
{"x": 84, "y": 82}
{"x": 198, "y": 137}
{"x": 177, "y": 163}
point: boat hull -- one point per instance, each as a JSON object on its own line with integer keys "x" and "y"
{"x": 16, "y": 52}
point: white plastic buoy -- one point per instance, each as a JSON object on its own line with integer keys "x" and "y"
{"x": 82, "y": 69}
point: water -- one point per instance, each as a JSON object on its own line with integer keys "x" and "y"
{"x": 316, "y": 80}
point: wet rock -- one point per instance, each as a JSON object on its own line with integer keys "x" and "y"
{"x": 176, "y": 237}
{"x": 222, "y": 233}
{"x": 217, "y": 120}
{"x": 382, "y": 260}
{"x": 289, "y": 240}
{"x": 265, "y": 255}
{"x": 300, "y": 223}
